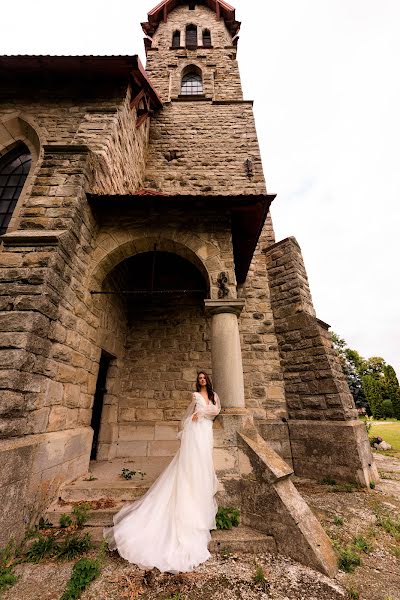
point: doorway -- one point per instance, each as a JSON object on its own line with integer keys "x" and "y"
{"x": 101, "y": 390}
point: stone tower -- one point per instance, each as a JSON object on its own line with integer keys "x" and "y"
{"x": 137, "y": 248}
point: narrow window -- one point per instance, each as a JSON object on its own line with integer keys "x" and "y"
{"x": 192, "y": 84}
{"x": 176, "y": 39}
{"x": 191, "y": 36}
{"x": 14, "y": 169}
{"x": 207, "y": 38}
{"x": 192, "y": 5}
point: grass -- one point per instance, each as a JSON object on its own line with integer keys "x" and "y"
{"x": 390, "y": 433}
{"x": 260, "y": 579}
{"x": 7, "y": 576}
{"x": 227, "y": 518}
{"x": 83, "y": 573}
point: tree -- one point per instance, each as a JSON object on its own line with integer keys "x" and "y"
{"x": 373, "y": 393}
{"x": 351, "y": 363}
{"x": 392, "y": 389}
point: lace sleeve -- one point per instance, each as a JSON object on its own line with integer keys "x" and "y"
{"x": 211, "y": 410}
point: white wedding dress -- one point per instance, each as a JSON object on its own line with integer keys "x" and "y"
{"x": 169, "y": 527}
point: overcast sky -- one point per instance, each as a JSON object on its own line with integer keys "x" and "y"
{"x": 324, "y": 75}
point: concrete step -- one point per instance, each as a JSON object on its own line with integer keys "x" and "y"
{"x": 101, "y": 517}
{"x": 124, "y": 491}
{"x": 238, "y": 539}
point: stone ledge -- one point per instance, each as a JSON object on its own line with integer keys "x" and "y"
{"x": 33, "y": 237}
{"x": 66, "y": 148}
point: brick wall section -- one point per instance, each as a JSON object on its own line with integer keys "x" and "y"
{"x": 314, "y": 382}
{"x": 221, "y": 78}
{"x": 211, "y": 144}
{"x": 166, "y": 345}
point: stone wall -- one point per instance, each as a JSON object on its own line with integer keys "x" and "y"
{"x": 199, "y": 147}
{"x": 220, "y": 71}
{"x": 320, "y": 406}
{"x": 167, "y": 343}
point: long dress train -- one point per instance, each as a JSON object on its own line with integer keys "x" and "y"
{"x": 169, "y": 527}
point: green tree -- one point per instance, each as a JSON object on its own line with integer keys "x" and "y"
{"x": 373, "y": 366}
{"x": 373, "y": 393}
{"x": 392, "y": 389}
{"x": 351, "y": 363}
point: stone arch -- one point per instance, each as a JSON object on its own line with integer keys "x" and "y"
{"x": 114, "y": 248}
{"x": 17, "y": 128}
{"x": 191, "y": 80}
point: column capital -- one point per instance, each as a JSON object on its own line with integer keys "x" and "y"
{"x": 217, "y": 307}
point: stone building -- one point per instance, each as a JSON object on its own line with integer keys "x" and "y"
{"x": 137, "y": 248}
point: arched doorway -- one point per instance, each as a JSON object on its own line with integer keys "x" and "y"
{"x": 166, "y": 340}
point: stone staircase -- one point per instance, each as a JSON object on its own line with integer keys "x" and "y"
{"x": 107, "y": 491}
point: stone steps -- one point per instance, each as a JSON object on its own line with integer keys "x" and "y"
{"x": 124, "y": 491}
{"x": 238, "y": 539}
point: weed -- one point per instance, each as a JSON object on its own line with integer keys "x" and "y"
{"x": 361, "y": 544}
{"x": 328, "y": 480}
{"x": 72, "y": 546}
{"x": 348, "y": 559}
{"x": 372, "y": 485}
{"x": 396, "y": 551}
{"x": 343, "y": 487}
{"x": 128, "y": 474}
{"x": 83, "y": 573}
{"x": 7, "y": 576}
{"x": 226, "y": 552}
{"x": 260, "y": 579}
{"x": 43, "y": 547}
{"x": 353, "y": 594}
{"x": 337, "y": 520}
{"x": 65, "y": 521}
{"x": 44, "y": 524}
{"x": 81, "y": 514}
{"x": 227, "y": 518}
{"x": 389, "y": 525}
{"x": 90, "y": 478}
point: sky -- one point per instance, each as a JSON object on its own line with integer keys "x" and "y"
{"x": 324, "y": 77}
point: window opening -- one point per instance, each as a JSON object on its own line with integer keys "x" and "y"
{"x": 176, "y": 39}
{"x": 192, "y": 84}
{"x": 14, "y": 169}
{"x": 191, "y": 36}
{"x": 192, "y": 5}
{"x": 207, "y": 38}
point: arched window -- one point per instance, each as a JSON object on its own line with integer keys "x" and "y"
{"x": 207, "y": 38}
{"x": 192, "y": 83}
{"x": 191, "y": 36}
{"x": 14, "y": 169}
{"x": 176, "y": 39}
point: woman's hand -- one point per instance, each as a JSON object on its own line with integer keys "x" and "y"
{"x": 195, "y": 417}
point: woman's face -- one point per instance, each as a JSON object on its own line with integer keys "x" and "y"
{"x": 202, "y": 379}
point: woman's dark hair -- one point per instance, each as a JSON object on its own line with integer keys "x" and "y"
{"x": 209, "y": 387}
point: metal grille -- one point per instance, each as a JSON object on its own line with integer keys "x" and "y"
{"x": 14, "y": 169}
{"x": 191, "y": 36}
{"x": 192, "y": 85}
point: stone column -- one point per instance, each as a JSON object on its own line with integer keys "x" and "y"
{"x": 226, "y": 353}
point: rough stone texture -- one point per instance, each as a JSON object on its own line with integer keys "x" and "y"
{"x": 220, "y": 70}
{"x": 315, "y": 387}
{"x": 268, "y": 489}
{"x": 60, "y": 248}
{"x": 32, "y": 469}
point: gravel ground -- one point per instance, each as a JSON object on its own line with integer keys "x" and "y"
{"x": 344, "y": 515}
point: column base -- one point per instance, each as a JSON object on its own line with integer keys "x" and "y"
{"x": 339, "y": 449}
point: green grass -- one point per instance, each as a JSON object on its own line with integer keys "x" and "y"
{"x": 390, "y": 433}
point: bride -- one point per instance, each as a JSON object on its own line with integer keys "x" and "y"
{"x": 169, "y": 527}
